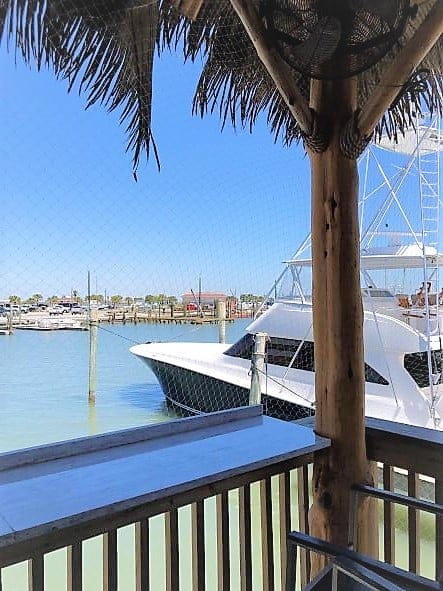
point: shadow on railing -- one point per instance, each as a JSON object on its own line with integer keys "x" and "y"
{"x": 222, "y": 494}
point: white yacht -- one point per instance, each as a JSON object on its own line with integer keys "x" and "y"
{"x": 402, "y": 365}
{"x": 402, "y": 333}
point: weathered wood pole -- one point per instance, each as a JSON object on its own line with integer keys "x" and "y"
{"x": 338, "y": 321}
{"x": 93, "y": 322}
{"x": 221, "y": 318}
{"x": 257, "y": 368}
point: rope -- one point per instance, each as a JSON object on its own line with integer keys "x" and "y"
{"x": 352, "y": 143}
{"x": 119, "y": 335}
{"x": 286, "y": 387}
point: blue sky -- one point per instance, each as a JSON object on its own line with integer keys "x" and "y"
{"x": 227, "y": 206}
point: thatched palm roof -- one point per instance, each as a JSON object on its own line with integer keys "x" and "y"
{"x": 106, "y": 49}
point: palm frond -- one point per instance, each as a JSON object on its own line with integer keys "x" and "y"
{"x": 105, "y": 48}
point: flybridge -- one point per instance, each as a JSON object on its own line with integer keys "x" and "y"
{"x": 409, "y": 256}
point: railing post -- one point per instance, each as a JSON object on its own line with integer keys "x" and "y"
{"x": 198, "y": 546}
{"x": 257, "y": 368}
{"x": 36, "y": 573}
{"x": 245, "y": 537}
{"x": 223, "y": 562}
{"x": 110, "y": 560}
{"x": 142, "y": 555}
{"x": 172, "y": 550}
{"x": 267, "y": 534}
{"x": 74, "y": 567}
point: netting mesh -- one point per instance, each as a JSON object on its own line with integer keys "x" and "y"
{"x": 162, "y": 253}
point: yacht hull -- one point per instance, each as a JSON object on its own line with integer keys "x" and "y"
{"x": 191, "y": 392}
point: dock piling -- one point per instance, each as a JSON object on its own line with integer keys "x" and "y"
{"x": 257, "y": 368}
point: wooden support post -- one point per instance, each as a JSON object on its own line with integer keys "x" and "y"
{"x": 338, "y": 322}
{"x": 93, "y": 322}
{"x": 257, "y": 368}
{"x": 221, "y": 317}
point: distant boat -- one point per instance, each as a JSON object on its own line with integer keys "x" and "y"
{"x": 48, "y": 324}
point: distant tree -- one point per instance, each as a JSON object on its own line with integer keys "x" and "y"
{"x": 129, "y": 300}
{"x": 96, "y": 297}
{"x": 15, "y": 299}
{"x": 161, "y": 298}
{"x": 250, "y": 298}
{"x": 150, "y": 299}
{"x": 36, "y": 298}
{"x": 116, "y": 299}
{"x": 53, "y": 300}
{"x": 172, "y": 300}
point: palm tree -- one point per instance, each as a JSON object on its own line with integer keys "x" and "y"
{"x": 15, "y": 300}
{"x": 116, "y": 299}
{"x": 53, "y": 300}
{"x": 330, "y": 74}
{"x": 36, "y": 298}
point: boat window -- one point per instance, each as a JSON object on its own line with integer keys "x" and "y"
{"x": 281, "y": 351}
{"x": 416, "y": 364}
{"x": 242, "y": 348}
{"x": 376, "y": 293}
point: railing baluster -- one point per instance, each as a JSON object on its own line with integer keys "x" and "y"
{"x": 172, "y": 551}
{"x": 284, "y": 501}
{"x": 142, "y": 555}
{"x": 74, "y": 567}
{"x": 36, "y": 573}
{"x": 223, "y": 561}
{"x": 244, "y": 516}
{"x": 439, "y": 533}
{"x": 267, "y": 534}
{"x": 110, "y": 560}
{"x": 198, "y": 546}
{"x": 303, "y": 521}
{"x": 389, "y": 517}
{"x": 413, "y": 524}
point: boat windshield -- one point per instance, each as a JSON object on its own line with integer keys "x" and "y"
{"x": 291, "y": 353}
{"x": 416, "y": 364}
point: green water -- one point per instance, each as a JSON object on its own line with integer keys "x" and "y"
{"x": 43, "y": 396}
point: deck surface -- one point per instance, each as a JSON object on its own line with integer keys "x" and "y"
{"x": 53, "y": 486}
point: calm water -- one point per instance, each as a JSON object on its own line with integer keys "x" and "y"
{"x": 44, "y": 377}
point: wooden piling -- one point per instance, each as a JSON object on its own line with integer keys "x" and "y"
{"x": 257, "y": 368}
{"x": 93, "y": 322}
{"x": 221, "y": 317}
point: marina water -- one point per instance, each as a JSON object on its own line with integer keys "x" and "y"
{"x": 44, "y": 398}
